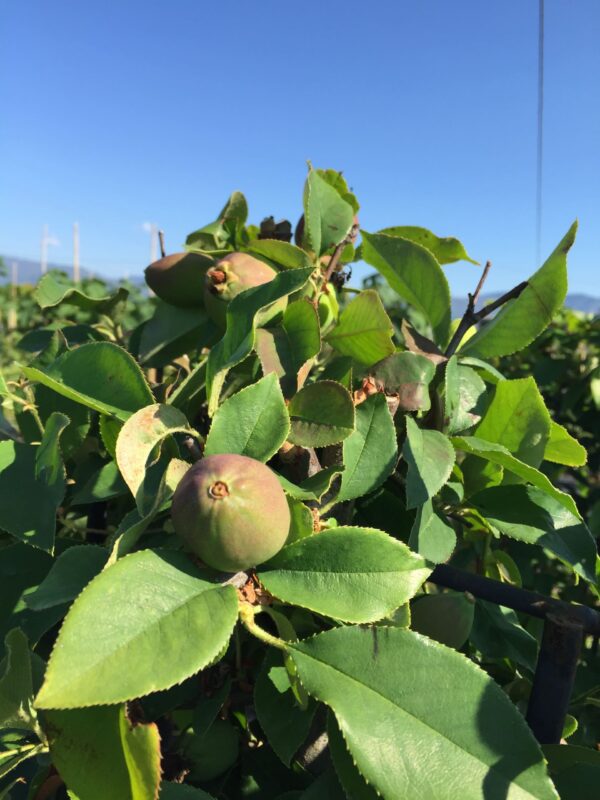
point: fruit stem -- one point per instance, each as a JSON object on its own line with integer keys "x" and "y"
{"x": 247, "y": 617}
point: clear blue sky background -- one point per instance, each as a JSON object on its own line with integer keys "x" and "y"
{"x": 115, "y": 113}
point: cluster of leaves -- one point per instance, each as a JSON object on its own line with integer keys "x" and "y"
{"x": 133, "y": 671}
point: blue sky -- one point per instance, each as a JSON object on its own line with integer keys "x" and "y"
{"x": 116, "y": 113}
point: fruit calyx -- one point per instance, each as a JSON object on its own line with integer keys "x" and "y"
{"x": 218, "y": 490}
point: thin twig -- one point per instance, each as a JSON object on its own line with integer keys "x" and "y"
{"x": 161, "y": 240}
{"x": 337, "y": 254}
{"x": 472, "y": 317}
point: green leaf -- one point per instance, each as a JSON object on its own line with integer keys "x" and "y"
{"x": 327, "y": 216}
{"x": 431, "y": 536}
{"x": 284, "y": 723}
{"x": 99, "y": 754}
{"x": 182, "y": 791}
{"x": 478, "y": 743}
{"x": 463, "y": 396}
{"x": 321, "y": 414}
{"x": 364, "y": 331}
{"x": 49, "y": 402}
{"x": 99, "y": 375}
{"x": 134, "y": 524}
{"x": 413, "y": 272}
{"x": 446, "y": 250}
{"x": 288, "y": 349}
{"x": 301, "y": 521}
{"x": 353, "y": 782}
{"x": 370, "y": 453}
{"x": 312, "y": 488}
{"x": 500, "y": 455}
{"x": 49, "y": 465}
{"x": 579, "y": 782}
{"x": 11, "y": 759}
{"x": 128, "y": 633}
{"x": 102, "y": 484}
{"x": 530, "y": 515}
{"x": 407, "y": 375}
{"x": 138, "y": 439}
{"x": 172, "y": 331}
{"x": 279, "y": 254}
{"x": 522, "y": 320}
{"x": 562, "y": 448}
{"x": 16, "y": 685}
{"x": 447, "y": 617}
{"x": 351, "y": 574}
{"x": 430, "y": 459}
{"x": 517, "y": 418}
{"x": 497, "y": 633}
{"x": 239, "y": 338}
{"x": 253, "y": 422}
{"x": 54, "y": 289}
{"x": 71, "y": 572}
{"x": 32, "y": 521}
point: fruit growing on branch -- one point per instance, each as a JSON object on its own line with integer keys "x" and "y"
{"x": 232, "y": 275}
{"x": 178, "y": 279}
{"x": 231, "y": 512}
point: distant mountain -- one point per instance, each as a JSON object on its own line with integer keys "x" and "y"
{"x": 29, "y": 271}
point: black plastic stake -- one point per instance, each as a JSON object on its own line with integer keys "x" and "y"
{"x": 554, "y": 676}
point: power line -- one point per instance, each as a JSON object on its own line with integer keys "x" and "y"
{"x": 540, "y": 133}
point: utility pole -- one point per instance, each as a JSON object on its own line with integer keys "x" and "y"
{"x": 153, "y": 242}
{"x": 44, "y": 250}
{"x": 76, "y": 271}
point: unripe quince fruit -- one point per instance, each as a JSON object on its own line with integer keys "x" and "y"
{"x": 231, "y": 512}
{"x": 232, "y": 275}
{"x": 178, "y": 279}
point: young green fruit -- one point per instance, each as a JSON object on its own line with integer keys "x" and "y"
{"x": 178, "y": 279}
{"x": 233, "y": 274}
{"x": 231, "y": 512}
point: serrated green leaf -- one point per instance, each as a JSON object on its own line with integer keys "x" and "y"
{"x": 253, "y": 422}
{"x": 321, "y": 414}
{"x": 327, "y": 216}
{"x": 54, "y": 289}
{"x": 519, "y": 322}
{"x": 49, "y": 466}
{"x": 239, "y": 337}
{"x": 352, "y": 574}
{"x": 370, "y": 453}
{"x": 364, "y": 331}
{"x": 138, "y": 438}
{"x": 478, "y": 743}
{"x": 355, "y": 786}
{"x": 497, "y": 633}
{"x": 312, "y": 488}
{"x": 531, "y": 515}
{"x": 99, "y": 754}
{"x": 16, "y": 685}
{"x": 414, "y": 273}
{"x": 128, "y": 632}
{"x": 71, "y": 572}
{"x": 49, "y": 402}
{"x": 500, "y": 455}
{"x": 408, "y": 376}
{"x": 102, "y": 484}
{"x": 11, "y": 759}
{"x": 464, "y": 393}
{"x": 431, "y": 536}
{"x": 301, "y": 521}
{"x": 288, "y": 349}
{"x": 517, "y": 418}
{"x": 172, "y": 331}
{"x": 430, "y": 458}
{"x": 182, "y": 791}
{"x": 562, "y": 448}
{"x": 280, "y": 254}
{"x": 284, "y": 723}
{"x": 99, "y": 375}
{"x": 447, "y": 249}
{"x": 31, "y": 522}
